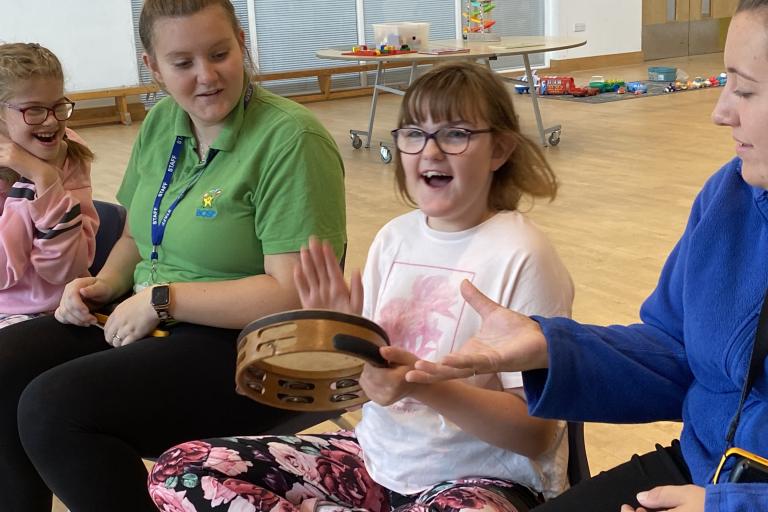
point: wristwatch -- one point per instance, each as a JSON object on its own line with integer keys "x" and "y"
{"x": 161, "y": 301}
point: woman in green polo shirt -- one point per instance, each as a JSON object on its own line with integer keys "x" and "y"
{"x": 225, "y": 183}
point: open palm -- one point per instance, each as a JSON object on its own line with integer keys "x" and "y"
{"x": 320, "y": 281}
{"x": 507, "y": 341}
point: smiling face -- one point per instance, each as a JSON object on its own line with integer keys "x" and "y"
{"x": 743, "y": 103}
{"x": 198, "y": 59}
{"x": 45, "y": 141}
{"x": 452, "y": 190}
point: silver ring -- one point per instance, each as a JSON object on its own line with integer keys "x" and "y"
{"x": 116, "y": 337}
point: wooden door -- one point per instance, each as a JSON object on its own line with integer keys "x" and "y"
{"x": 676, "y": 28}
{"x": 665, "y": 28}
{"x": 709, "y": 25}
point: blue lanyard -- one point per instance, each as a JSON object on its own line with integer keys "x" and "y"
{"x": 158, "y": 225}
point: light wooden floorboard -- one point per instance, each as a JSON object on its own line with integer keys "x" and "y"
{"x": 628, "y": 169}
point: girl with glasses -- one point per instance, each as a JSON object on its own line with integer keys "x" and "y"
{"x": 468, "y": 445}
{"x": 689, "y": 356}
{"x": 225, "y": 183}
{"x": 47, "y": 218}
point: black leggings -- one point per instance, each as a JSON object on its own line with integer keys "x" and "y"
{"x": 77, "y": 415}
{"x": 610, "y": 489}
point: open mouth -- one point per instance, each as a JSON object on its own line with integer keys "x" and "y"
{"x": 45, "y": 138}
{"x": 436, "y": 179}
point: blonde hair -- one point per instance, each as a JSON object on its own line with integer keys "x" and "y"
{"x": 156, "y": 9}
{"x": 472, "y": 92}
{"x": 20, "y": 62}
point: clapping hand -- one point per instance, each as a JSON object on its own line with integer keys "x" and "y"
{"x": 321, "y": 283}
{"x": 507, "y": 342}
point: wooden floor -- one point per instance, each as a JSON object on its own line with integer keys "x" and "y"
{"x": 628, "y": 169}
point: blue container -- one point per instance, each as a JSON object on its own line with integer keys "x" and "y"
{"x": 662, "y": 74}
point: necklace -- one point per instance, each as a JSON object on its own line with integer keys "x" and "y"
{"x": 202, "y": 150}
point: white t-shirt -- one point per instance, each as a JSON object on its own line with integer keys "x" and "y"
{"x": 411, "y": 283}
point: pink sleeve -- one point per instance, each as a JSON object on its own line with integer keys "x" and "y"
{"x": 15, "y": 236}
{"x": 65, "y": 224}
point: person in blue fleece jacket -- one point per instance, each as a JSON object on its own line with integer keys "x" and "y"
{"x": 688, "y": 358}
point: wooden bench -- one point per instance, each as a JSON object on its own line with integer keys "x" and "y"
{"x": 120, "y": 113}
{"x": 324, "y": 80}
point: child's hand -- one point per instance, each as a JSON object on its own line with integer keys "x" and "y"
{"x": 386, "y": 386}
{"x": 77, "y": 299}
{"x": 26, "y": 164}
{"x": 133, "y": 319}
{"x": 321, "y": 284}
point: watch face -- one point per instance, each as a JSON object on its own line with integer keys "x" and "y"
{"x": 161, "y": 295}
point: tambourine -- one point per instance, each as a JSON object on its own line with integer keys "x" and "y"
{"x": 308, "y": 359}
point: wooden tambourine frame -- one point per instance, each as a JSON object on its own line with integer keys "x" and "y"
{"x": 307, "y": 360}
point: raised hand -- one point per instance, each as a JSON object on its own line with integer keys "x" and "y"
{"x": 507, "y": 342}
{"x": 671, "y": 498}
{"x": 321, "y": 283}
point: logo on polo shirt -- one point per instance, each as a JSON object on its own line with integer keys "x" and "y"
{"x": 208, "y": 208}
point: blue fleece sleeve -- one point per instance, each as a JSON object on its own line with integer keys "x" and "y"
{"x": 620, "y": 374}
{"x": 736, "y": 498}
{"x": 617, "y": 374}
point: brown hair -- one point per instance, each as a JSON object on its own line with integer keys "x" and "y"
{"x": 26, "y": 61}
{"x": 749, "y": 5}
{"x": 472, "y": 92}
{"x": 156, "y": 9}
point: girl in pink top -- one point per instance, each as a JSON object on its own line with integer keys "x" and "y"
{"x": 47, "y": 218}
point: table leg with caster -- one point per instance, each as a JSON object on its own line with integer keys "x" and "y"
{"x": 548, "y": 136}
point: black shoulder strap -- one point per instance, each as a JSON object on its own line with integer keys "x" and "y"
{"x": 756, "y": 363}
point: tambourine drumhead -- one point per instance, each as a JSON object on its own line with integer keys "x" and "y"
{"x": 307, "y": 360}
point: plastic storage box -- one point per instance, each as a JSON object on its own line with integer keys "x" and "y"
{"x": 662, "y": 74}
{"x": 414, "y": 34}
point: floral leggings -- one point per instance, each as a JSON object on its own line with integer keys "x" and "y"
{"x": 250, "y": 474}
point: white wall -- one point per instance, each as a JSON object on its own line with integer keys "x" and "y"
{"x": 612, "y": 26}
{"x": 92, "y": 38}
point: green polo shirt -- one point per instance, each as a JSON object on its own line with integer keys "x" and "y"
{"x": 277, "y": 178}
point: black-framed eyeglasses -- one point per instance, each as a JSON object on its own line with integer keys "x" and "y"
{"x": 37, "y": 115}
{"x": 450, "y": 140}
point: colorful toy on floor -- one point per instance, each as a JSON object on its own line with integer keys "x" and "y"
{"x": 613, "y": 85}
{"x": 556, "y": 85}
{"x": 525, "y": 89}
{"x": 597, "y": 82}
{"x": 637, "y": 88}
{"x": 581, "y": 92}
